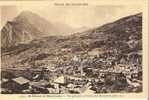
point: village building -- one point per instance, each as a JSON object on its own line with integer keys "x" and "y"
{"x": 59, "y": 82}
{"x": 66, "y": 50}
{"x": 53, "y": 90}
{"x": 40, "y": 86}
{"x": 4, "y": 80}
{"x": 17, "y": 84}
{"x": 94, "y": 52}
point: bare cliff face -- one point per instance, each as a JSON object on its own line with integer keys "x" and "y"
{"x": 26, "y": 27}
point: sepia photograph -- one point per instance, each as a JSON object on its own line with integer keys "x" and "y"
{"x": 71, "y": 50}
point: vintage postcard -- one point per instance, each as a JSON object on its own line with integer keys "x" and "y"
{"x": 74, "y": 49}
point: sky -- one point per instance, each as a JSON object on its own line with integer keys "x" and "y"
{"x": 75, "y": 17}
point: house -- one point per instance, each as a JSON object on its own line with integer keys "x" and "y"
{"x": 66, "y": 49}
{"x": 3, "y": 82}
{"x": 78, "y": 88}
{"x": 94, "y": 52}
{"x": 76, "y": 58}
{"x": 53, "y": 90}
{"x": 74, "y": 78}
{"x": 40, "y": 86}
{"x": 60, "y": 80}
{"x": 5, "y": 91}
{"x": 88, "y": 91}
{"x": 123, "y": 60}
{"x": 75, "y": 91}
{"x": 41, "y": 83}
{"x": 17, "y": 84}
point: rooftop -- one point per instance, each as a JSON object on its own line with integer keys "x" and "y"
{"x": 60, "y": 80}
{"x": 40, "y": 84}
{"x": 21, "y": 80}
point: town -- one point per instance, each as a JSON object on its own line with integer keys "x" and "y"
{"x": 102, "y": 59}
{"x": 91, "y": 73}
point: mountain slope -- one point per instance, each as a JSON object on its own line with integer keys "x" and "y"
{"x": 118, "y": 34}
{"x": 26, "y": 27}
{"x": 123, "y": 36}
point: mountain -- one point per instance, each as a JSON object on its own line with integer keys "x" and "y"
{"x": 123, "y": 36}
{"x": 118, "y": 34}
{"x": 26, "y": 27}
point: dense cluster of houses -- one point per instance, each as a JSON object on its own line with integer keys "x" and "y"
{"x": 61, "y": 84}
{"x": 95, "y": 72}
